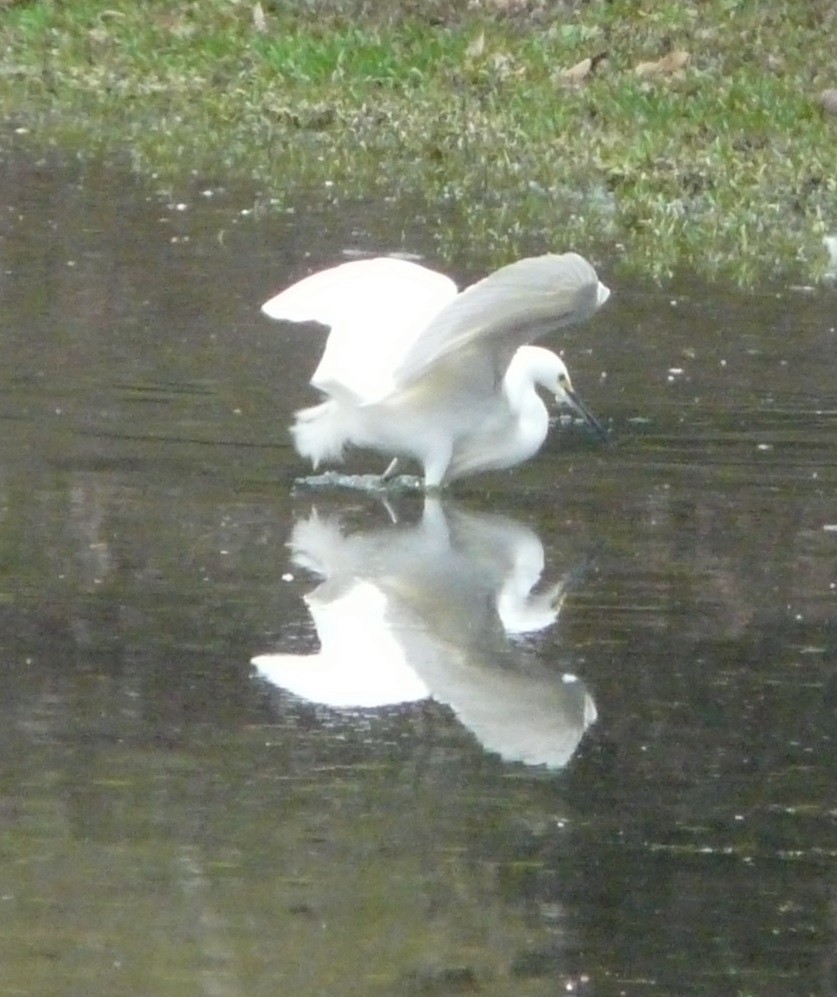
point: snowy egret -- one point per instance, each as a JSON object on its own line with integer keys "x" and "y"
{"x": 414, "y": 368}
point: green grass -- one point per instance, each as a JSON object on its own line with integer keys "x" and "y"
{"x": 727, "y": 168}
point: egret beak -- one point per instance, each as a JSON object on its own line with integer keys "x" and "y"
{"x": 574, "y": 402}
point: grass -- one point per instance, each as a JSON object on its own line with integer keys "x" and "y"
{"x": 725, "y": 167}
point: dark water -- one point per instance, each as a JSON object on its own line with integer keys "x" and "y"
{"x": 617, "y": 779}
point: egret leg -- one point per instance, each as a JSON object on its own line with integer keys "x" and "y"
{"x": 390, "y": 511}
{"x": 435, "y": 468}
{"x": 390, "y": 471}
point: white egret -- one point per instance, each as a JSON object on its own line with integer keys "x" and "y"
{"x": 414, "y": 368}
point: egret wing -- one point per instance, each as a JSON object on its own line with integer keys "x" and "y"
{"x": 515, "y": 305}
{"x": 376, "y": 310}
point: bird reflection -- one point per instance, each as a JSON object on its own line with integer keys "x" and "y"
{"x": 409, "y": 612}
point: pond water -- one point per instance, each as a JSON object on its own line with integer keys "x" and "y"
{"x": 597, "y": 753}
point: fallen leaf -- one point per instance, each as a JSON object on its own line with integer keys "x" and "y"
{"x": 672, "y": 62}
{"x": 259, "y": 20}
{"x": 828, "y": 101}
{"x": 581, "y": 71}
{"x": 476, "y": 48}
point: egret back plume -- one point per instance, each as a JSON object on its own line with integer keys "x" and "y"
{"x": 322, "y": 431}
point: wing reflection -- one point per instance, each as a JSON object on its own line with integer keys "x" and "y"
{"x": 410, "y": 612}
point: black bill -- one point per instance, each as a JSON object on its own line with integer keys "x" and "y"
{"x": 585, "y": 413}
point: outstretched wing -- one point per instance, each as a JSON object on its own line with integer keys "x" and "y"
{"x": 376, "y": 310}
{"x": 515, "y": 305}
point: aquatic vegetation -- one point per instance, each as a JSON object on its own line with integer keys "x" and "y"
{"x": 671, "y": 135}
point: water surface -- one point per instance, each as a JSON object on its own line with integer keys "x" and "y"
{"x": 615, "y": 771}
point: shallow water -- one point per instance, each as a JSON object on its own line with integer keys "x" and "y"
{"x": 615, "y": 778}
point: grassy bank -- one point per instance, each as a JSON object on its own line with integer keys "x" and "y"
{"x": 714, "y": 155}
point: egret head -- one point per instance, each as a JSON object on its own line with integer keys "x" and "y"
{"x": 534, "y": 364}
{"x": 565, "y": 395}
